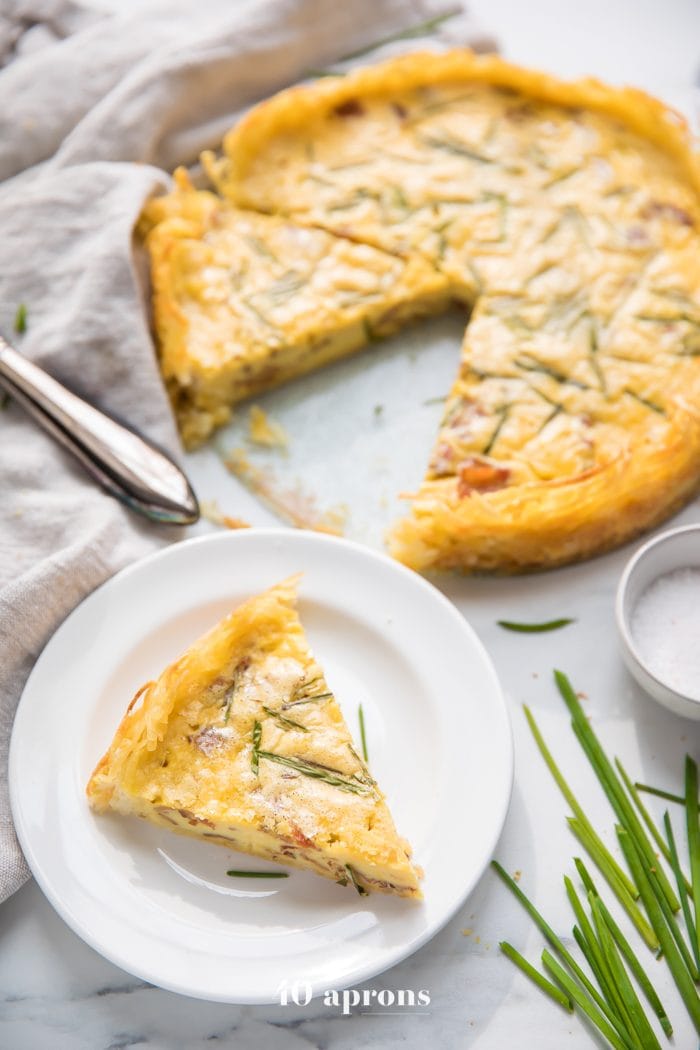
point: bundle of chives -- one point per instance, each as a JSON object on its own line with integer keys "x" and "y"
{"x": 614, "y": 1007}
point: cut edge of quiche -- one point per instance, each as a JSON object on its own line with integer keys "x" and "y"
{"x": 241, "y": 742}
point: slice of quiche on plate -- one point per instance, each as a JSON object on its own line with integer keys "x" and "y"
{"x": 242, "y": 743}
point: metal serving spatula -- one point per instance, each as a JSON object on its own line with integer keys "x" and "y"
{"x": 124, "y": 464}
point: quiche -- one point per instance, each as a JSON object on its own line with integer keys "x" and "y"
{"x": 564, "y": 216}
{"x": 241, "y": 742}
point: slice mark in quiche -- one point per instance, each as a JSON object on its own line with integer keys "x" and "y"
{"x": 566, "y": 216}
{"x": 241, "y": 742}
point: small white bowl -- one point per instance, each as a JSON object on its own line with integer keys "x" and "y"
{"x": 675, "y": 549}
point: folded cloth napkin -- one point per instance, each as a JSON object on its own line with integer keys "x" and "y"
{"x": 94, "y": 107}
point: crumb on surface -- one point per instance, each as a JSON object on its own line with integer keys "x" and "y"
{"x": 517, "y": 875}
{"x": 467, "y": 932}
{"x": 262, "y": 430}
{"x": 212, "y": 512}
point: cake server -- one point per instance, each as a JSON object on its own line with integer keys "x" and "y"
{"x": 122, "y": 462}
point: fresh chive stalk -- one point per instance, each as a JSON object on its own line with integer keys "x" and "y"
{"x": 539, "y": 979}
{"x": 549, "y": 933}
{"x": 255, "y": 757}
{"x": 353, "y": 879}
{"x": 258, "y": 874}
{"x": 534, "y": 628}
{"x": 601, "y": 849}
{"x": 682, "y": 890}
{"x": 693, "y": 826}
{"x": 626, "y": 951}
{"x": 363, "y": 736}
{"x": 632, "y": 1007}
{"x": 626, "y": 900}
{"x": 316, "y": 772}
{"x": 20, "y": 325}
{"x": 610, "y": 782}
{"x": 674, "y": 959}
{"x": 660, "y": 793}
{"x": 645, "y": 815}
{"x": 572, "y": 990}
{"x": 282, "y": 722}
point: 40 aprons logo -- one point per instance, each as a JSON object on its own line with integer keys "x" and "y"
{"x": 368, "y": 1000}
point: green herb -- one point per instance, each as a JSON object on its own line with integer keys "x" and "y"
{"x": 583, "y": 820}
{"x": 532, "y": 364}
{"x": 548, "y": 418}
{"x": 644, "y": 813}
{"x": 305, "y": 700}
{"x": 549, "y": 933}
{"x": 353, "y": 879}
{"x": 644, "y": 401}
{"x": 659, "y": 793}
{"x": 539, "y": 979}
{"x": 435, "y": 400}
{"x": 254, "y": 758}
{"x": 609, "y": 781}
{"x": 259, "y": 247}
{"x": 503, "y": 414}
{"x": 285, "y": 286}
{"x": 561, "y": 177}
{"x": 449, "y": 144}
{"x": 282, "y": 722}
{"x": 535, "y": 628}
{"x": 420, "y": 29}
{"x": 593, "y": 357}
{"x": 674, "y": 959}
{"x": 603, "y": 860}
{"x": 693, "y": 827}
{"x": 317, "y": 772}
{"x": 378, "y": 411}
{"x": 258, "y": 874}
{"x": 228, "y": 701}
{"x": 682, "y": 890}
{"x": 20, "y": 324}
{"x": 581, "y": 1000}
{"x": 626, "y": 951}
{"x": 363, "y": 738}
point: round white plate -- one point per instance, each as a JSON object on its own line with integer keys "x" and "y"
{"x": 160, "y": 905}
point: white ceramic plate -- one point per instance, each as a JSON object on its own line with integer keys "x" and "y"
{"x": 160, "y": 905}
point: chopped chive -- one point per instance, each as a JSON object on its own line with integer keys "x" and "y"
{"x": 626, "y": 899}
{"x": 626, "y": 950}
{"x": 693, "y": 827}
{"x": 548, "y": 932}
{"x": 601, "y": 850}
{"x": 353, "y": 879}
{"x": 20, "y": 324}
{"x": 682, "y": 890}
{"x": 503, "y": 414}
{"x": 258, "y": 874}
{"x": 435, "y": 400}
{"x": 420, "y": 29}
{"x": 305, "y": 700}
{"x": 282, "y": 722}
{"x": 622, "y": 985}
{"x": 316, "y": 772}
{"x": 539, "y": 979}
{"x": 645, "y": 401}
{"x": 581, "y": 1000}
{"x": 449, "y": 144}
{"x": 644, "y": 813}
{"x": 679, "y": 971}
{"x": 254, "y": 758}
{"x": 659, "y": 793}
{"x": 363, "y": 737}
{"x": 609, "y": 781}
{"x": 534, "y": 628}
{"x": 611, "y": 1005}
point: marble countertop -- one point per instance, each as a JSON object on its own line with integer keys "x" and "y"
{"x": 56, "y": 992}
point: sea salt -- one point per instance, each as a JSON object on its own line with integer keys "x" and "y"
{"x": 666, "y": 630}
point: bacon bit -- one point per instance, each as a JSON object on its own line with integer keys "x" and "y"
{"x": 476, "y": 475}
{"x": 350, "y": 108}
{"x": 519, "y": 114}
{"x": 193, "y": 820}
{"x": 400, "y": 111}
{"x": 666, "y": 210}
{"x": 301, "y": 839}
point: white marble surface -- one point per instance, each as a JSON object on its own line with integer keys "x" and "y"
{"x": 57, "y": 993}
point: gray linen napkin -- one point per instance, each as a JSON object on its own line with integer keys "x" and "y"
{"x": 92, "y": 107}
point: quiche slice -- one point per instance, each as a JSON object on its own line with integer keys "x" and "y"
{"x": 567, "y": 217}
{"x": 241, "y": 742}
{"x": 244, "y": 301}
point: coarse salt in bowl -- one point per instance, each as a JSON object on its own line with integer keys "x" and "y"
{"x": 658, "y": 618}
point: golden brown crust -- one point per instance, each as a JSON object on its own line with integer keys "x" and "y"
{"x": 624, "y": 450}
